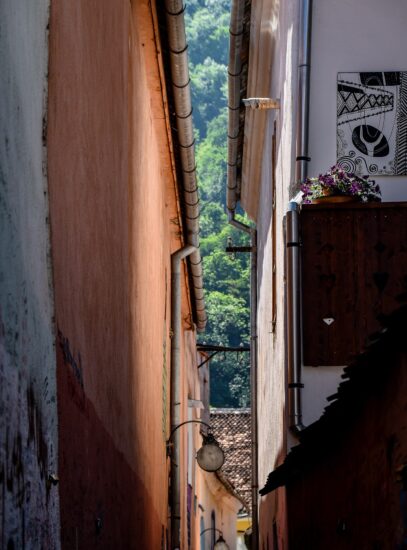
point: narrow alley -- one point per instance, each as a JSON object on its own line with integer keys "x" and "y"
{"x": 203, "y": 275}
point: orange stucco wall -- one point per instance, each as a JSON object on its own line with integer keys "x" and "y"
{"x": 115, "y": 221}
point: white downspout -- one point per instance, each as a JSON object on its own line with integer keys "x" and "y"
{"x": 176, "y": 326}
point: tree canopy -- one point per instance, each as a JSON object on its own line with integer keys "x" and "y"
{"x": 226, "y": 278}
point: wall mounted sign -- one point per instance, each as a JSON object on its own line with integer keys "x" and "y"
{"x": 372, "y": 123}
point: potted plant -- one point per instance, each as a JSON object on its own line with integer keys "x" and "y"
{"x": 336, "y": 185}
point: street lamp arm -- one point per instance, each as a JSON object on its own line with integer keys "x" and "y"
{"x": 210, "y": 456}
{"x": 211, "y": 529}
{"x": 220, "y": 544}
{"x": 187, "y": 422}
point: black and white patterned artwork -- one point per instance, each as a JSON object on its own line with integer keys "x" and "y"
{"x": 372, "y": 123}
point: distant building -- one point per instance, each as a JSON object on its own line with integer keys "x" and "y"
{"x": 233, "y": 430}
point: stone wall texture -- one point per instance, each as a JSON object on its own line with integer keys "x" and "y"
{"x": 29, "y": 506}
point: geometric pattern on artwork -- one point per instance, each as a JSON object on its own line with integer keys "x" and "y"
{"x": 372, "y": 122}
{"x": 353, "y": 100}
{"x": 401, "y": 142}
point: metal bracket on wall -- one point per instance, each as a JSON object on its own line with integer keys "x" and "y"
{"x": 218, "y": 349}
{"x": 261, "y": 103}
{"x": 207, "y": 359}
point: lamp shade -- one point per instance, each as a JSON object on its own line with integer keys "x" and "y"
{"x": 210, "y": 456}
{"x": 220, "y": 544}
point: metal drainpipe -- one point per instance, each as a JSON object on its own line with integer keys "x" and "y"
{"x": 176, "y": 259}
{"x": 239, "y": 225}
{"x": 178, "y": 51}
{"x": 304, "y": 67}
{"x": 234, "y": 85}
{"x": 294, "y": 320}
{"x": 234, "y": 104}
{"x": 253, "y": 386}
{"x": 253, "y": 373}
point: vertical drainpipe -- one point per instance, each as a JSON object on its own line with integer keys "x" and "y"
{"x": 304, "y": 66}
{"x": 253, "y": 374}
{"x": 178, "y": 53}
{"x": 234, "y": 105}
{"x": 294, "y": 318}
{"x": 294, "y": 360}
{"x": 176, "y": 260}
{"x": 253, "y": 386}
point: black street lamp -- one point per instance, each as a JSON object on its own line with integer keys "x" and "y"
{"x": 210, "y": 456}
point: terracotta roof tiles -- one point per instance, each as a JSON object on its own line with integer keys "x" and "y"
{"x": 231, "y": 428}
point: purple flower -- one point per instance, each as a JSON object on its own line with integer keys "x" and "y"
{"x": 339, "y": 182}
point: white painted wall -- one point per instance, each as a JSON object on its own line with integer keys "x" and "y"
{"x": 276, "y": 30}
{"x": 319, "y": 383}
{"x": 348, "y": 35}
{"x": 28, "y": 418}
{"x": 364, "y": 35}
{"x": 352, "y": 36}
{"x": 213, "y": 497}
{"x": 272, "y": 73}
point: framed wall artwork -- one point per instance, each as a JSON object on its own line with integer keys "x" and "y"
{"x": 372, "y": 122}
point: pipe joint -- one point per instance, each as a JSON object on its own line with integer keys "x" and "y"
{"x": 239, "y": 225}
{"x": 179, "y": 52}
{"x": 308, "y": 159}
{"x": 177, "y": 13}
{"x": 181, "y": 86}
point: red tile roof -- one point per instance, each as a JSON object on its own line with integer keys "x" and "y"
{"x": 231, "y": 427}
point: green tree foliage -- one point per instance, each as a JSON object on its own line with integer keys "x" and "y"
{"x": 224, "y": 272}
{"x": 211, "y": 161}
{"x": 208, "y": 81}
{"x": 226, "y": 277}
{"x": 228, "y": 325}
{"x": 208, "y": 30}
